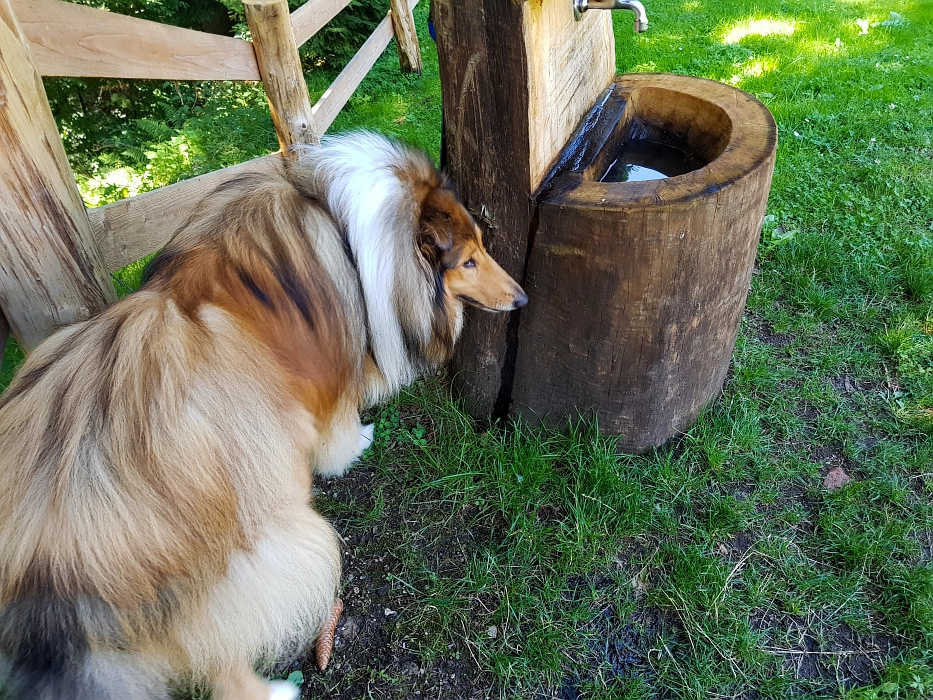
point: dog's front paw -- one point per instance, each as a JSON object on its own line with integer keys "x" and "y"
{"x": 366, "y": 436}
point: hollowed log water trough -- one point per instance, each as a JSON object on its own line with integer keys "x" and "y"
{"x": 637, "y": 288}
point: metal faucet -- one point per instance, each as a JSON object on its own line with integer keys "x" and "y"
{"x": 641, "y": 17}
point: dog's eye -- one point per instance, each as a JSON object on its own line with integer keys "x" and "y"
{"x": 470, "y": 263}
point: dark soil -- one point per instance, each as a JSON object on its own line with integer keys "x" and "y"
{"x": 374, "y": 649}
{"x": 833, "y": 658}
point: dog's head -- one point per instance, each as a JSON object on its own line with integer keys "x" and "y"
{"x": 452, "y": 244}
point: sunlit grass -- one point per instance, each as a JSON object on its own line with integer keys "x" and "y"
{"x": 759, "y": 27}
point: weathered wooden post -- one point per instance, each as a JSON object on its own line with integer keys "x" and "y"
{"x": 274, "y": 38}
{"x": 51, "y": 272}
{"x": 280, "y": 67}
{"x": 403, "y": 24}
{"x": 516, "y": 79}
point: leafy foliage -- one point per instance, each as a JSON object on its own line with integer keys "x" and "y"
{"x": 128, "y": 136}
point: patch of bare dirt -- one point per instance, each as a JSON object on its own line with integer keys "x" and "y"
{"x": 831, "y": 657}
{"x": 374, "y": 654}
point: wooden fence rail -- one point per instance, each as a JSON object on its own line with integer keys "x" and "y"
{"x": 136, "y": 226}
{"x": 56, "y": 38}
{"x": 77, "y": 41}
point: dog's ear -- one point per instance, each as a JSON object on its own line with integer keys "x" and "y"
{"x": 435, "y": 227}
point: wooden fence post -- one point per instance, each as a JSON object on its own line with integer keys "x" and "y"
{"x": 403, "y": 22}
{"x": 280, "y": 68}
{"x": 51, "y": 272}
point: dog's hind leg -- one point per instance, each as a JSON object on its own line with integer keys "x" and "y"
{"x": 275, "y": 599}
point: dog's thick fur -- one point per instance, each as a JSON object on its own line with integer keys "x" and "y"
{"x": 154, "y": 461}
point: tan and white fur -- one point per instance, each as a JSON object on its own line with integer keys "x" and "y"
{"x": 156, "y": 523}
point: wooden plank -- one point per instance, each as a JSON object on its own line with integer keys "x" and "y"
{"x": 282, "y": 76}
{"x": 80, "y": 41}
{"x": 311, "y": 17}
{"x": 135, "y": 227}
{"x": 570, "y": 64}
{"x": 51, "y": 273}
{"x": 335, "y": 97}
{"x": 403, "y": 23}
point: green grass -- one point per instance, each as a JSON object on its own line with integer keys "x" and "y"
{"x": 719, "y": 566}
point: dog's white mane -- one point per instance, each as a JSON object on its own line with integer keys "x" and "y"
{"x": 366, "y": 181}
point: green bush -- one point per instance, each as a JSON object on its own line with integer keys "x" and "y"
{"x": 124, "y": 137}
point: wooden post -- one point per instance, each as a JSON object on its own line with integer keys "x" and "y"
{"x": 516, "y": 78}
{"x": 51, "y": 272}
{"x": 280, "y": 68}
{"x": 403, "y": 23}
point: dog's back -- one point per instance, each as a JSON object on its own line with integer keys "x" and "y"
{"x": 145, "y": 450}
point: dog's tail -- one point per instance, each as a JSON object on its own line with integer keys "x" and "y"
{"x": 46, "y": 654}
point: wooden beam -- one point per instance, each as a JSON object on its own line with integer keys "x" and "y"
{"x": 516, "y": 78}
{"x": 406, "y": 39}
{"x": 280, "y": 67}
{"x": 570, "y": 64}
{"x": 80, "y": 41}
{"x": 137, "y": 226}
{"x": 327, "y": 108}
{"x": 51, "y": 273}
{"x": 484, "y": 87}
{"x": 311, "y": 17}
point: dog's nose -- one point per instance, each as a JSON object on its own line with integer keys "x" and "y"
{"x": 520, "y": 299}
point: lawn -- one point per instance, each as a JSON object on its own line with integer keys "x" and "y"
{"x": 733, "y": 563}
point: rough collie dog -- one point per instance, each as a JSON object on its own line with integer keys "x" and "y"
{"x": 155, "y": 517}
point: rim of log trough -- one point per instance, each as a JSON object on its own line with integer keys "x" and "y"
{"x": 751, "y": 141}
